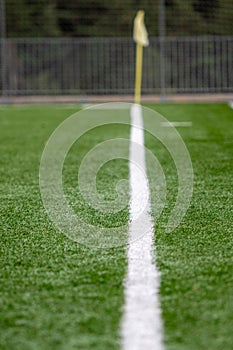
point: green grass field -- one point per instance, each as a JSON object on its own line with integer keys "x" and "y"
{"x": 58, "y": 294}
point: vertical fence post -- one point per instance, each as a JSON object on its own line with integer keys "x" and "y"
{"x": 162, "y": 34}
{"x": 3, "y": 48}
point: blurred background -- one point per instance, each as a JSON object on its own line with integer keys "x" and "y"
{"x": 85, "y": 47}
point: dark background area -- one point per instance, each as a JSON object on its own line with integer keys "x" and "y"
{"x": 104, "y": 18}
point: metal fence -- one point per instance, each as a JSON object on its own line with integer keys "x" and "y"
{"x": 106, "y": 66}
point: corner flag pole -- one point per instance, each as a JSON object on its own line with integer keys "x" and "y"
{"x": 138, "y": 77}
{"x": 141, "y": 38}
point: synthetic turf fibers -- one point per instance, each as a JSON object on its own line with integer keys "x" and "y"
{"x": 57, "y": 294}
{"x": 196, "y": 259}
{"x": 54, "y": 293}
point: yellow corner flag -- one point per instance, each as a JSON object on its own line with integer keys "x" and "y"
{"x": 139, "y": 31}
{"x": 140, "y": 36}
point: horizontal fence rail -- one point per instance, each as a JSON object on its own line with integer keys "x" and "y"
{"x": 107, "y": 66}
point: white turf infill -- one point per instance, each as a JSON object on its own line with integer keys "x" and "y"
{"x": 141, "y": 325}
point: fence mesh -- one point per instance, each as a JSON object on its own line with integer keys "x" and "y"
{"x": 106, "y": 66}
{"x": 85, "y": 46}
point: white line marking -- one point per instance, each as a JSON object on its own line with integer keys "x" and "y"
{"x": 106, "y": 106}
{"x": 231, "y": 104}
{"x": 176, "y": 124}
{"x": 141, "y": 324}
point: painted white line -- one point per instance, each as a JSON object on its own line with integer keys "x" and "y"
{"x": 87, "y": 105}
{"x": 176, "y": 124}
{"x": 141, "y": 324}
{"x": 231, "y": 104}
{"x": 106, "y": 106}
{"x": 68, "y": 106}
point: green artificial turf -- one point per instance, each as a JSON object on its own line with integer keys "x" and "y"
{"x": 55, "y": 293}
{"x": 58, "y": 294}
{"x": 196, "y": 259}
